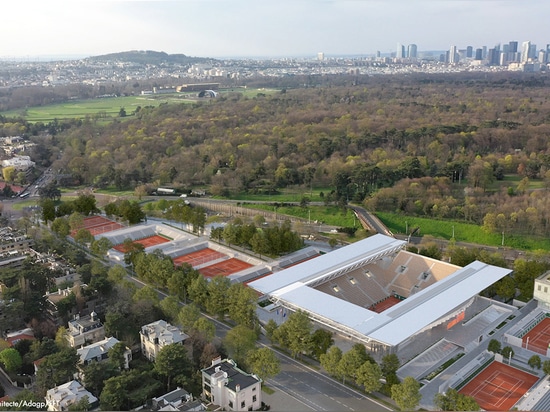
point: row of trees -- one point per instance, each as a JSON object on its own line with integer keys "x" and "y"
{"x": 268, "y": 241}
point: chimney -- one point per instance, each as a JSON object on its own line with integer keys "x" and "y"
{"x": 237, "y": 387}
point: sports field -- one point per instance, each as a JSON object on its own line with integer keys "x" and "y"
{"x": 98, "y": 225}
{"x": 224, "y": 268}
{"x": 538, "y": 338}
{"x": 385, "y": 304}
{"x": 198, "y": 258}
{"x": 499, "y": 387}
{"x": 146, "y": 242}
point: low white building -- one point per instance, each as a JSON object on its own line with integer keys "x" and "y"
{"x": 227, "y": 386}
{"x": 19, "y": 162}
{"x": 156, "y": 335}
{"x": 63, "y": 396}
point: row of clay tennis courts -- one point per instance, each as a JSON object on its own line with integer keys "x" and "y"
{"x": 221, "y": 264}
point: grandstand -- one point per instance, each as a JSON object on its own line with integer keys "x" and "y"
{"x": 337, "y": 290}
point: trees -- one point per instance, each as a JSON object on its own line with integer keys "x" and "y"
{"x": 239, "y": 341}
{"x": 321, "y": 341}
{"x": 241, "y": 303}
{"x": 263, "y": 363}
{"x": 534, "y": 362}
{"x": 507, "y": 352}
{"x": 128, "y": 390}
{"x": 369, "y": 375}
{"x": 494, "y": 346}
{"x": 295, "y": 333}
{"x": 454, "y": 401}
{"x": 57, "y": 368}
{"x": 217, "y": 289}
{"x": 330, "y": 361}
{"x": 351, "y": 361}
{"x": 61, "y": 226}
{"x": 172, "y": 362}
{"x": 11, "y": 359}
{"x": 406, "y": 394}
{"x": 48, "y": 210}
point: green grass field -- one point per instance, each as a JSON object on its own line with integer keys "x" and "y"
{"x": 107, "y": 109}
{"x": 463, "y": 232}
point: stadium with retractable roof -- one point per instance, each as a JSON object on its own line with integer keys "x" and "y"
{"x": 376, "y": 293}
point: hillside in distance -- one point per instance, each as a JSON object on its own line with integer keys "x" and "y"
{"x": 150, "y": 57}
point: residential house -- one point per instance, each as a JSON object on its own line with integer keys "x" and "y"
{"x": 177, "y": 400}
{"x": 84, "y": 330}
{"x": 99, "y": 351}
{"x": 61, "y": 397}
{"x": 156, "y": 335}
{"x": 227, "y": 386}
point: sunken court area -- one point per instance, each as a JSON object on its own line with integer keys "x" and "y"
{"x": 209, "y": 258}
{"x": 381, "y": 284}
{"x": 499, "y": 386}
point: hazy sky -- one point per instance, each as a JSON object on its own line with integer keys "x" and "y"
{"x": 270, "y": 28}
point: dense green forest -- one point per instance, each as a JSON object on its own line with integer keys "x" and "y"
{"x": 438, "y": 141}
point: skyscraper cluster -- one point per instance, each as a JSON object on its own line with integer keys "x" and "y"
{"x": 499, "y": 55}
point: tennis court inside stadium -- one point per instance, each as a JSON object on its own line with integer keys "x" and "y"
{"x": 198, "y": 257}
{"x": 499, "y": 386}
{"x": 225, "y": 268}
{"x": 146, "y": 242}
{"x": 538, "y": 338}
{"x": 385, "y": 304}
{"x": 98, "y": 225}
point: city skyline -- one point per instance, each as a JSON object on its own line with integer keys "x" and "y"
{"x": 249, "y": 28}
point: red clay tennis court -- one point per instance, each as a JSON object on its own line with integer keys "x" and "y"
{"x": 224, "y": 268}
{"x": 146, "y": 242}
{"x": 499, "y": 387}
{"x": 385, "y": 304}
{"x": 198, "y": 257}
{"x": 98, "y": 225}
{"x": 538, "y": 338}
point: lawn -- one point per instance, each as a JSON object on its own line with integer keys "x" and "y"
{"x": 463, "y": 232}
{"x": 108, "y": 108}
{"x": 103, "y": 108}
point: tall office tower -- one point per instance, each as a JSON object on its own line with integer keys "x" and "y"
{"x": 453, "y": 55}
{"x": 400, "y": 51}
{"x": 479, "y": 54}
{"x": 525, "y": 46}
{"x": 503, "y": 59}
{"x": 320, "y": 56}
{"x": 469, "y": 52}
{"x": 484, "y": 52}
{"x": 412, "y": 51}
{"x": 493, "y": 56}
{"x": 513, "y": 47}
{"x": 505, "y": 48}
{"x": 542, "y": 56}
{"x": 533, "y": 51}
{"x": 377, "y": 54}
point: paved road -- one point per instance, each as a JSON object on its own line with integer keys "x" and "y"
{"x": 302, "y": 388}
